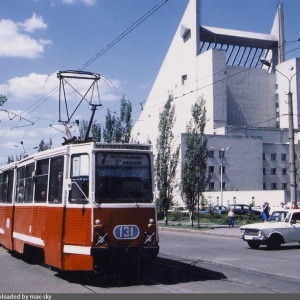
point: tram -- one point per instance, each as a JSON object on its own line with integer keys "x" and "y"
{"x": 82, "y": 205}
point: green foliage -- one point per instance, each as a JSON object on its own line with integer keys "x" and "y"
{"x": 193, "y": 170}
{"x": 118, "y": 129}
{"x": 44, "y": 145}
{"x": 166, "y": 160}
{"x": 3, "y": 99}
{"x": 95, "y": 130}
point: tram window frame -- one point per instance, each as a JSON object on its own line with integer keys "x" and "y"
{"x": 20, "y": 185}
{"x": 41, "y": 181}
{"x": 56, "y": 180}
{"x": 7, "y": 187}
{"x": 29, "y": 183}
{"x": 80, "y": 170}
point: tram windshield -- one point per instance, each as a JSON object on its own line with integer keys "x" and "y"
{"x": 123, "y": 178}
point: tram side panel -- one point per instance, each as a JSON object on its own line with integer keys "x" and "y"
{"x": 6, "y": 226}
{"x": 77, "y": 239}
{"x": 53, "y": 236}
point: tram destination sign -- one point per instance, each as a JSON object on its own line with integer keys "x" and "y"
{"x": 113, "y": 159}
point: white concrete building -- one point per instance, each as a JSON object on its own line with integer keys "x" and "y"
{"x": 245, "y": 102}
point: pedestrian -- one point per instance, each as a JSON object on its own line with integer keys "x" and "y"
{"x": 294, "y": 205}
{"x": 231, "y": 218}
{"x": 282, "y": 205}
{"x": 266, "y": 212}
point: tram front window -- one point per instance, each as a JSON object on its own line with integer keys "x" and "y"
{"x": 122, "y": 178}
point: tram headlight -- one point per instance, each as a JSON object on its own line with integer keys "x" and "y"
{"x": 149, "y": 238}
{"x": 151, "y": 223}
{"x": 100, "y": 240}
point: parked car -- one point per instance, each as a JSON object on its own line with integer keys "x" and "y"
{"x": 173, "y": 209}
{"x": 258, "y": 207}
{"x": 243, "y": 209}
{"x": 217, "y": 209}
{"x": 273, "y": 233}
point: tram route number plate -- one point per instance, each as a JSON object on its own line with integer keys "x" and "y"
{"x": 126, "y": 232}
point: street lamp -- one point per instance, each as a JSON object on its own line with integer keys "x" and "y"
{"x": 222, "y": 151}
{"x": 293, "y": 183}
{"x": 24, "y": 152}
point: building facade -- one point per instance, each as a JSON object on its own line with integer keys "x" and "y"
{"x": 245, "y": 103}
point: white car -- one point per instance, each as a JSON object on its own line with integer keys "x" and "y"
{"x": 275, "y": 231}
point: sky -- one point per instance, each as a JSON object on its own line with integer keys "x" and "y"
{"x": 123, "y": 41}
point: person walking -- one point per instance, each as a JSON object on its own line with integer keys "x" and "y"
{"x": 266, "y": 212}
{"x": 231, "y": 218}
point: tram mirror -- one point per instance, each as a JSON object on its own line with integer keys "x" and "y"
{"x": 68, "y": 184}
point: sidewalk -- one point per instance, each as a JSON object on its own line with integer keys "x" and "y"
{"x": 209, "y": 229}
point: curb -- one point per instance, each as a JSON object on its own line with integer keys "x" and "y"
{"x": 209, "y": 231}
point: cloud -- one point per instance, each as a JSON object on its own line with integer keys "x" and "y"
{"x": 32, "y": 24}
{"x": 27, "y": 87}
{"x": 35, "y": 86}
{"x": 15, "y": 40}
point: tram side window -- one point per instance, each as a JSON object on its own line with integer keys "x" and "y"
{"x": 29, "y": 183}
{"x": 80, "y": 179}
{"x": 20, "y": 190}
{"x": 41, "y": 180}
{"x": 56, "y": 180}
{"x": 7, "y": 186}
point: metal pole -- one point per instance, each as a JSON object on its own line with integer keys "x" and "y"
{"x": 293, "y": 183}
{"x": 222, "y": 177}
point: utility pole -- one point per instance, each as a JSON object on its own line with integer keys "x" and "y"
{"x": 293, "y": 182}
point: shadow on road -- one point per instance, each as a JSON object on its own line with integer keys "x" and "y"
{"x": 166, "y": 272}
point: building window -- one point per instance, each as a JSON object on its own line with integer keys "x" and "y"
{"x": 274, "y": 186}
{"x": 264, "y": 186}
{"x": 273, "y": 171}
{"x": 183, "y": 79}
{"x": 211, "y": 169}
{"x": 273, "y": 156}
{"x": 264, "y": 156}
{"x": 211, "y": 153}
{"x": 264, "y": 171}
{"x": 284, "y": 186}
{"x": 283, "y": 157}
{"x": 284, "y": 171}
{"x": 211, "y": 185}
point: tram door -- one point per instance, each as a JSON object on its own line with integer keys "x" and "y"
{"x": 7, "y": 209}
{"x": 55, "y": 214}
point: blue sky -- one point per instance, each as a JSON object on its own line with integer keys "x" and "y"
{"x": 38, "y": 38}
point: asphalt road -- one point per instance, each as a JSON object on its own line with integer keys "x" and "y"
{"x": 212, "y": 262}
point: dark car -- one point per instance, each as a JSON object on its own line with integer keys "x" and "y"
{"x": 243, "y": 209}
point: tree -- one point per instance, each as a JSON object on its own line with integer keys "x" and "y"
{"x": 95, "y": 130}
{"x": 44, "y": 145}
{"x": 118, "y": 129}
{"x": 167, "y": 160}
{"x": 193, "y": 167}
{"x": 109, "y": 129}
{"x": 3, "y": 99}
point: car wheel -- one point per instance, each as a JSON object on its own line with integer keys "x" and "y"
{"x": 274, "y": 242}
{"x": 253, "y": 245}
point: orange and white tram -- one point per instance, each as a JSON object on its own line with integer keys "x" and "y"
{"x": 82, "y": 204}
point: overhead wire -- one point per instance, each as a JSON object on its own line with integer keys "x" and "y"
{"x": 46, "y": 97}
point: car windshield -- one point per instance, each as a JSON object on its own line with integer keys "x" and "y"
{"x": 278, "y": 216}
